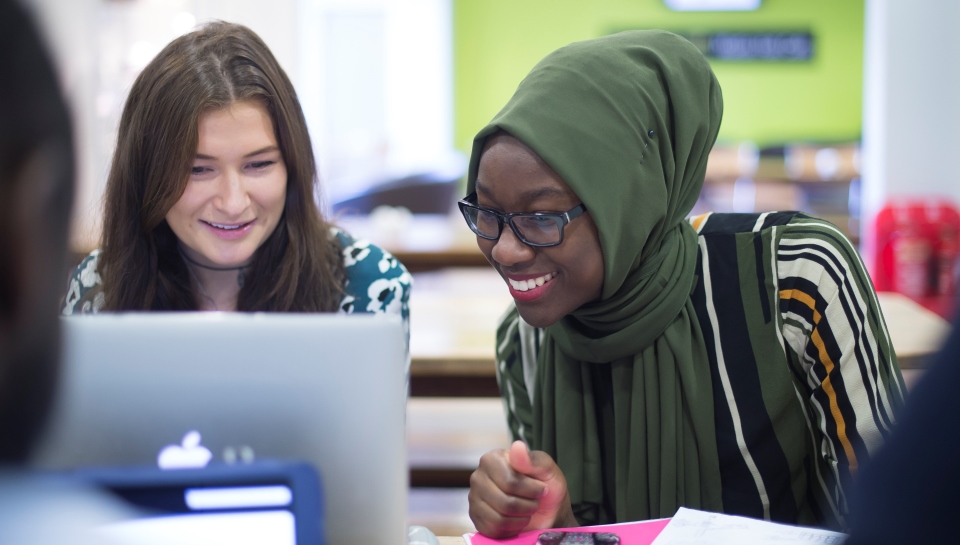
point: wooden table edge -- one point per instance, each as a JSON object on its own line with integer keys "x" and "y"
{"x": 476, "y": 366}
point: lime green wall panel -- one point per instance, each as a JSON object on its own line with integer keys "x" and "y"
{"x": 496, "y": 42}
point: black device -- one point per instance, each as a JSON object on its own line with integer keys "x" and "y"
{"x": 578, "y": 538}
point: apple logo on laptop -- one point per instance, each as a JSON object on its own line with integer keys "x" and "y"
{"x": 188, "y": 454}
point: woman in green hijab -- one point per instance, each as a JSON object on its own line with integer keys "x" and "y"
{"x": 732, "y": 362}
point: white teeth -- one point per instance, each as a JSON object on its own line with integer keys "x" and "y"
{"x": 524, "y": 285}
{"x": 227, "y": 227}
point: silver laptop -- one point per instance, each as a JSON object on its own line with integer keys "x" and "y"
{"x": 179, "y": 389}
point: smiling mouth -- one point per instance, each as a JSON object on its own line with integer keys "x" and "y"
{"x": 227, "y": 227}
{"x": 524, "y": 285}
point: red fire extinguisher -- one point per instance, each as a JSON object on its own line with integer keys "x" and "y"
{"x": 912, "y": 251}
{"x": 944, "y": 221}
{"x": 918, "y": 252}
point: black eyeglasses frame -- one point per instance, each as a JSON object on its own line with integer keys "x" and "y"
{"x": 561, "y": 219}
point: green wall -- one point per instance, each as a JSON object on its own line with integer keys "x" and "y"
{"x": 496, "y": 42}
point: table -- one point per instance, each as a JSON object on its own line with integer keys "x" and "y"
{"x": 453, "y": 322}
{"x": 451, "y": 540}
{"x": 916, "y": 333}
{"x": 453, "y": 319}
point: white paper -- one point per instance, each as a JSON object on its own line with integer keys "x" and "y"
{"x": 692, "y": 527}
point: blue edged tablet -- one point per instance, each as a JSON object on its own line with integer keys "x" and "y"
{"x": 242, "y": 504}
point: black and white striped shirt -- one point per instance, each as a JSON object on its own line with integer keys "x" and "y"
{"x": 805, "y": 381}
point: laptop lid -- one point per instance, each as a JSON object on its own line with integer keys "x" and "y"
{"x": 189, "y": 387}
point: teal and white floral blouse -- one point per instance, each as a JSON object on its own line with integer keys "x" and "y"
{"x": 375, "y": 282}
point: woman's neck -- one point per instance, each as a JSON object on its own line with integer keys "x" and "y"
{"x": 215, "y": 290}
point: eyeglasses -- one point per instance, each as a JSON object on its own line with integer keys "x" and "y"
{"x": 540, "y": 229}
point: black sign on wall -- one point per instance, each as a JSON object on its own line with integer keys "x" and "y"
{"x": 755, "y": 46}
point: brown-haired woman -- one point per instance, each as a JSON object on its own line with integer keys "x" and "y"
{"x": 210, "y": 201}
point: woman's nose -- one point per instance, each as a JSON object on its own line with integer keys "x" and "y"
{"x": 509, "y": 250}
{"x": 233, "y": 199}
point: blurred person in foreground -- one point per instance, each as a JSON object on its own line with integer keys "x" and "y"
{"x": 909, "y": 491}
{"x": 36, "y": 192}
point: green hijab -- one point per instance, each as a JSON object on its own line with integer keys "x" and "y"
{"x": 627, "y": 121}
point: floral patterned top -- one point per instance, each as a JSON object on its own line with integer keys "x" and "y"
{"x": 375, "y": 282}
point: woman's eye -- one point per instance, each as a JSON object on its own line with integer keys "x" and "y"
{"x": 260, "y": 165}
{"x": 199, "y": 170}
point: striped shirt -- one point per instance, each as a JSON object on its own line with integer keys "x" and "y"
{"x": 805, "y": 381}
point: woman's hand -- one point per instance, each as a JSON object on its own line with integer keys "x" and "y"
{"x": 517, "y": 490}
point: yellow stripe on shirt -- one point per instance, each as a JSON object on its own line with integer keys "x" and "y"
{"x": 697, "y": 222}
{"x": 806, "y": 299}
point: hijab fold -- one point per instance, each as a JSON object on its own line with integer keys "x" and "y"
{"x": 627, "y": 121}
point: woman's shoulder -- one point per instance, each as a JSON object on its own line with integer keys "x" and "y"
{"x": 786, "y": 224}
{"x": 364, "y": 260}
{"x": 375, "y": 280}
{"x": 722, "y": 223}
{"x": 84, "y": 287}
{"x": 820, "y": 251}
{"x": 804, "y": 225}
{"x": 795, "y": 239}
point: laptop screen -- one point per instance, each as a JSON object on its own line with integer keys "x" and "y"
{"x": 255, "y": 504}
{"x": 237, "y": 515}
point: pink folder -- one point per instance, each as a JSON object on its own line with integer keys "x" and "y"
{"x": 631, "y": 533}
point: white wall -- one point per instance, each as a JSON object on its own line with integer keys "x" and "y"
{"x": 911, "y": 116}
{"x": 69, "y": 28}
{"x": 376, "y": 85}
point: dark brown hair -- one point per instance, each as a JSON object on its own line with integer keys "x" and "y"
{"x": 298, "y": 268}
